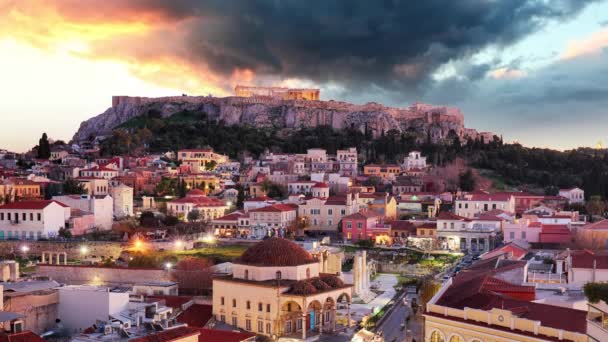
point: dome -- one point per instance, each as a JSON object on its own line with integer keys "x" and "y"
{"x": 276, "y": 252}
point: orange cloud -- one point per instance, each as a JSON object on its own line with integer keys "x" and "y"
{"x": 147, "y": 41}
{"x": 507, "y": 73}
{"x": 591, "y": 45}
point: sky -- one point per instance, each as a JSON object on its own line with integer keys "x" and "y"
{"x": 535, "y": 71}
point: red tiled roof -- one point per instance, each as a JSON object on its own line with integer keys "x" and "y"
{"x": 485, "y": 293}
{"x": 275, "y": 208}
{"x": 196, "y": 150}
{"x": 31, "y": 205}
{"x": 516, "y": 252}
{"x": 174, "y": 302}
{"x": 445, "y": 215}
{"x": 230, "y": 217}
{"x": 212, "y": 335}
{"x": 99, "y": 168}
{"x": 336, "y": 200}
{"x": 196, "y": 315}
{"x": 362, "y": 215}
{"x": 586, "y": 259}
{"x": 169, "y": 335}
{"x": 320, "y": 185}
{"x": 195, "y": 192}
{"x": 24, "y": 336}
{"x": 555, "y": 233}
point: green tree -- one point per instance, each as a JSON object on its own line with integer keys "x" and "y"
{"x": 73, "y": 187}
{"x": 466, "y": 181}
{"x": 44, "y": 148}
{"x": 65, "y": 233}
{"x": 194, "y": 215}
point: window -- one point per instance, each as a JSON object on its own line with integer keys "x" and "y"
{"x": 1, "y": 216}
{"x": 279, "y": 275}
{"x": 222, "y": 301}
{"x": 234, "y": 321}
{"x": 246, "y": 274}
{"x": 234, "y": 303}
{"x": 9, "y": 216}
{"x": 437, "y": 337}
{"x": 299, "y": 324}
{"x": 223, "y": 318}
{"x": 24, "y": 216}
{"x": 330, "y": 211}
{"x": 31, "y": 216}
{"x": 359, "y": 225}
{"x": 248, "y": 324}
{"x": 523, "y": 235}
{"x": 39, "y": 217}
{"x": 260, "y": 326}
{"x": 268, "y": 328}
{"x": 308, "y": 273}
{"x": 248, "y": 305}
{"x": 343, "y": 212}
{"x": 349, "y": 225}
{"x": 456, "y": 338}
{"x": 445, "y": 225}
{"x": 451, "y": 225}
{"x": 267, "y": 307}
{"x": 511, "y": 235}
{"x": 260, "y": 307}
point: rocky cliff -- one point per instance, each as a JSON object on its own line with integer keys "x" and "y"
{"x": 267, "y": 112}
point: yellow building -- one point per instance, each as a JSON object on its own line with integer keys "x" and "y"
{"x": 199, "y": 159}
{"x": 384, "y": 171}
{"x": 206, "y": 182}
{"x": 276, "y": 289}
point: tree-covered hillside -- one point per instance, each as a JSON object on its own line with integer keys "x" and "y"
{"x": 515, "y": 164}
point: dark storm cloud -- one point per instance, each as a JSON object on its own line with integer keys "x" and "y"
{"x": 387, "y": 43}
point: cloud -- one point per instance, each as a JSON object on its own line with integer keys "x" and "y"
{"x": 592, "y": 45}
{"x": 390, "y": 45}
{"x": 507, "y": 73}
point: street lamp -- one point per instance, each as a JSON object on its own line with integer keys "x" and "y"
{"x": 168, "y": 266}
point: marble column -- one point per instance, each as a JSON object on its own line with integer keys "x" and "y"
{"x": 43, "y": 257}
{"x": 321, "y": 321}
{"x": 333, "y": 319}
{"x": 304, "y": 326}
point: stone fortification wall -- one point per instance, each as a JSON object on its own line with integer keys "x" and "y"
{"x": 79, "y": 274}
{"x": 99, "y": 249}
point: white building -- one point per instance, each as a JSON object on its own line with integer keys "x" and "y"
{"x": 573, "y": 195}
{"x": 32, "y": 220}
{"x": 471, "y": 205}
{"x": 273, "y": 218}
{"x": 99, "y": 172}
{"x": 347, "y": 160}
{"x": 463, "y": 234}
{"x": 414, "y": 160}
{"x": 102, "y": 207}
{"x": 81, "y": 306}
{"x": 123, "y": 200}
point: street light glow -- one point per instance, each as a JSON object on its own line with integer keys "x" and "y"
{"x": 84, "y": 250}
{"x": 168, "y": 265}
{"x": 25, "y": 249}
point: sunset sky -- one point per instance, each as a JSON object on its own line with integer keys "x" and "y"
{"x": 535, "y": 71}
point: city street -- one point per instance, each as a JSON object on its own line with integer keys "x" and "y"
{"x": 391, "y": 326}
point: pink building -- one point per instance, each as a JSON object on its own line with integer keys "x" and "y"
{"x": 81, "y": 221}
{"x": 537, "y": 232}
{"x": 364, "y": 225}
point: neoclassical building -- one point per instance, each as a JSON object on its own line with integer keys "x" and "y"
{"x": 277, "y": 290}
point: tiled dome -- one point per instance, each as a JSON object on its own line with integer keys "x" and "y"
{"x": 276, "y": 252}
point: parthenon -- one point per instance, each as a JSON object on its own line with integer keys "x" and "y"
{"x": 278, "y": 92}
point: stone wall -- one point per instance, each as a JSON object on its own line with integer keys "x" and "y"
{"x": 99, "y": 249}
{"x": 79, "y": 274}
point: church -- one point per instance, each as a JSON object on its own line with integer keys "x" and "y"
{"x": 277, "y": 289}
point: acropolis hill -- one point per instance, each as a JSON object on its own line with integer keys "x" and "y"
{"x": 284, "y": 112}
